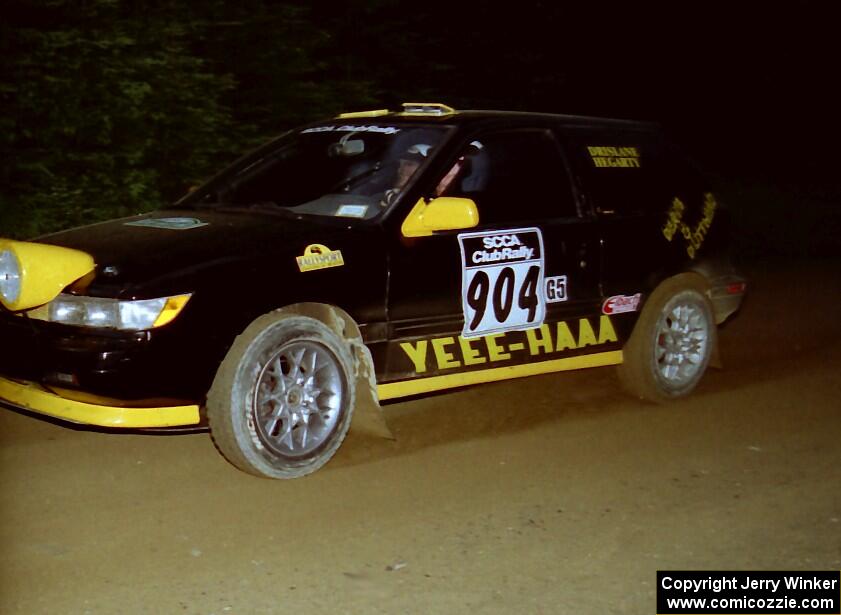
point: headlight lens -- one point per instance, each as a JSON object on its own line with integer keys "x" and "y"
{"x": 111, "y": 313}
{"x": 9, "y": 276}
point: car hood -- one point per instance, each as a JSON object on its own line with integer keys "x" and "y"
{"x": 165, "y": 250}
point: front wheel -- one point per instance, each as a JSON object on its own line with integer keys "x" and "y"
{"x": 672, "y": 342}
{"x": 282, "y": 400}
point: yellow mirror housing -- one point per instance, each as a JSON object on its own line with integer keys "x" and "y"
{"x": 34, "y": 273}
{"x": 446, "y": 213}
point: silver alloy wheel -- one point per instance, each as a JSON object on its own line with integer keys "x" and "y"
{"x": 297, "y": 399}
{"x": 672, "y": 342}
{"x": 683, "y": 337}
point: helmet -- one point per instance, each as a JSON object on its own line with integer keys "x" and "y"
{"x": 418, "y": 152}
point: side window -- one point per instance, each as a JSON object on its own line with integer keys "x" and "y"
{"x": 512, "y": 176}
{"x": 622, "y": 174}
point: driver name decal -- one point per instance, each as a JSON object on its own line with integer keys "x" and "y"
{"x": 614, "y": 157}
{"x": 502, "y": 281}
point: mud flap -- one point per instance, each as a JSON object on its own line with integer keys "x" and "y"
{"x": 368, "y": 419}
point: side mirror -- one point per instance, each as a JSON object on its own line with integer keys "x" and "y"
{"x": 446, "y": 213}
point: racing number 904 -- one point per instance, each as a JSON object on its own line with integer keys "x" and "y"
{"x": 502, "y": 280}
{"x": 502, "y": 296}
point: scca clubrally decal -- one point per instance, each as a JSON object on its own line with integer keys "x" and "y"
{"x": 501, "y": 281}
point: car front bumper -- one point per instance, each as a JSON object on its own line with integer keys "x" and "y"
{"x": 98, "y": 411}
{"x": 174, "y": 362}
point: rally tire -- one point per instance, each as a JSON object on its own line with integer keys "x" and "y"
{"x": 283, "y": 397}
{"x": 672, "y": 342}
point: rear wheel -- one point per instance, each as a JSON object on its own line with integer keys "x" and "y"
{"x": 672, "y": 342}
{"x": 282, "y": 400}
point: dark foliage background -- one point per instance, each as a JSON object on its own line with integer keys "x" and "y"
{"x": 112, "y": 107}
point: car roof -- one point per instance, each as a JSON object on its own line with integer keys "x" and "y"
{"x": 441, "y": 114}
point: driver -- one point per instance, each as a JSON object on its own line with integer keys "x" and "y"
{"x": 407, "y": 165}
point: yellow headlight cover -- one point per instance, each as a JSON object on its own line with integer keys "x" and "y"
{"x": 45, "y": 271}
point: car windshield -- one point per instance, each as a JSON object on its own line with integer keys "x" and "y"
{"x": 335, "y": 170}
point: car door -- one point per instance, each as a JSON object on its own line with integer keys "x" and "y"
{"x": 624, "y": 182}
{"x": 520, "y": 288}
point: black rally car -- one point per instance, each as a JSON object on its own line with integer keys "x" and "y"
{"x": 369, "y": 257}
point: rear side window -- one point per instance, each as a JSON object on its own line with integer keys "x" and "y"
{"x": 631, "y": 174}
{"x": 512, "y": 175}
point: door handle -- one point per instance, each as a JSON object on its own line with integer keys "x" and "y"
{"x": 582, "y": 257}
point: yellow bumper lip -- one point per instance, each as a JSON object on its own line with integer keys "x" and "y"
{"x": 33, "y": 397}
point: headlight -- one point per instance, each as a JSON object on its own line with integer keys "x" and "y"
{"x": 111, "y": 313}
{"x": 9, "y": 277}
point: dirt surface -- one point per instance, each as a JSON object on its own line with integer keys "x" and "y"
{"x": 551, "y": 494}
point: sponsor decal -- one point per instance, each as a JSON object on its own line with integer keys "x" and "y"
{"x": 547, "y": 341}
{"x": 386, "y": 130}
{"x": 317, "y": 256}
{"x": 694, "y": 236}
{"x": 172, "y": 224}
{"x": 620, "y": 304}
{"x": 556, "y": 289}
{"x": 352, "y": 211}
{"x": 502, "y": 281}
{"x": 614, "y": 157}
